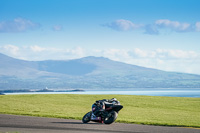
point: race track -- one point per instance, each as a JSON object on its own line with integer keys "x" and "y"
{"x": 28, "y": 124}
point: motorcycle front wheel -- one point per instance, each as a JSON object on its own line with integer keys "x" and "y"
{"x": 110, "y": 118}
{"x": 86, "y": 117}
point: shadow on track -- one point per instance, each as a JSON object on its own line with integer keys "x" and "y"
{"x": 77, "y": 123}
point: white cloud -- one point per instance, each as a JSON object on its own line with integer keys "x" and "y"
{"x": 42, "y": 53}
{"x": 37, "y": 48}
{"x": 140, "y": 53}
{"x": 180, "y": 54}
{"x": 12, "y": 49}
{"x": 154, "y": 28}
{"x": 173, "y": 25}
{"x": 78, "y": 51}
{"x": 57, "y": 27}
{"x": 151, "y": 29}
{"x": 18, "y": 25}
{"x": 122, "y": 25}
{"x": 197, "y": 26}
{"x": 166, "y": 22}
{"x": 163, "y": 59}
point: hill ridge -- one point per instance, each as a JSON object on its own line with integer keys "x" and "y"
{"x": 87, "y": 72}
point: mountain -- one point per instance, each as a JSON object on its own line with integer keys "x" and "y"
{"x": 87, "y": 73}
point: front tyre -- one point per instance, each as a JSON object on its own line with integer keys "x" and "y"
{"x": 86, "y": 117}
{"x": 111, "y": 117}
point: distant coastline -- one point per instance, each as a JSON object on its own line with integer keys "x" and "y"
{"x": 41, "y": 90}
{"x": 195, "y": 93}
{"x": 1, "y": 93}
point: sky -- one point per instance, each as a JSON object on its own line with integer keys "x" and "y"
{"x": 152, "y": 33}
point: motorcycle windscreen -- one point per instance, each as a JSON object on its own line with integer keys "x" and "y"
{"x": 117, "y": 107}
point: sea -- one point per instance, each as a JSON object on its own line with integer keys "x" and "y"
{"x": 171, "y": 92}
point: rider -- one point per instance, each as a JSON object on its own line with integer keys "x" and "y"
{"x": 99, "y": 106}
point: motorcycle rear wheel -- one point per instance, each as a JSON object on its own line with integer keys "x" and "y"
{"x": 111, "y": 117}
{"x": 86, "y": 117}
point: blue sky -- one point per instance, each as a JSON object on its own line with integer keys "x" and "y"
{"x": 151, "y": 33}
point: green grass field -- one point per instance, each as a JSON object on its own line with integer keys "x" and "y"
{"x": 153, "y": 110}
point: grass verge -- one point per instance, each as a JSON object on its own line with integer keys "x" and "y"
{"x": 150, "y": 110}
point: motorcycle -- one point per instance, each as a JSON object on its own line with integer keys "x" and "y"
{"x": 107, "y": 116}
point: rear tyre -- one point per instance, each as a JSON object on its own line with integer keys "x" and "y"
{"x": 111, "y": 117}
{"x": 86, "y": 117}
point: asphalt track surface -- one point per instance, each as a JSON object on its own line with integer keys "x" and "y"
{"x": 28, "y": 124}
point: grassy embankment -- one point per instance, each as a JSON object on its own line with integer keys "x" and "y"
{"x": 169, "y": 111}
